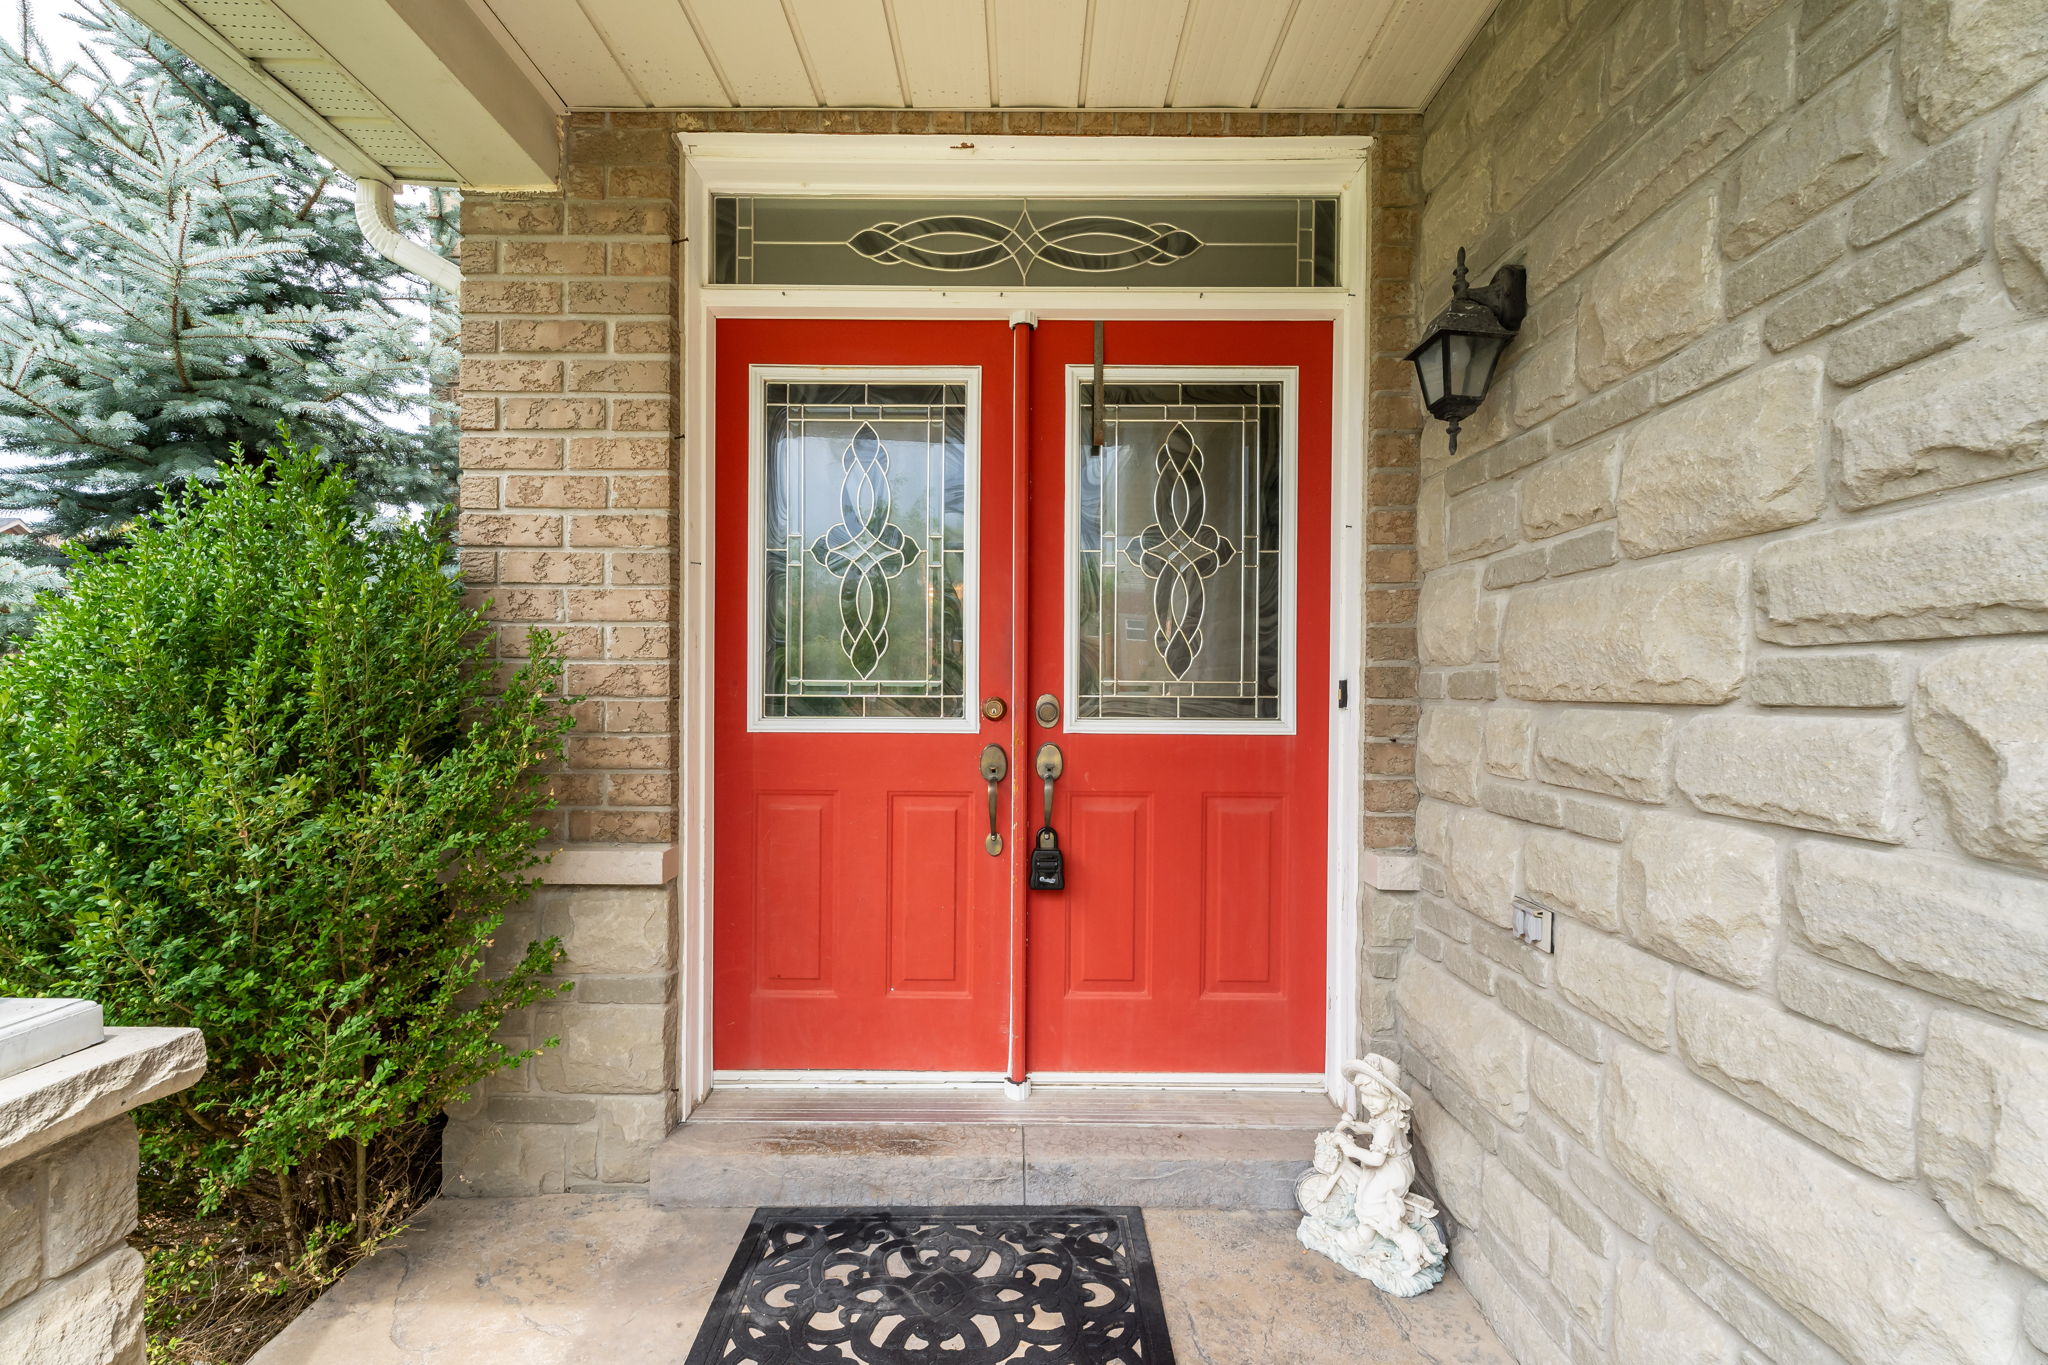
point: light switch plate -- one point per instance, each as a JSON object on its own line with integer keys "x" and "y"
{"x": 1534, "y": 925}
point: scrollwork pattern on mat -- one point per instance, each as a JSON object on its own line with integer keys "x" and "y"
{"x": 893, "y": 1287}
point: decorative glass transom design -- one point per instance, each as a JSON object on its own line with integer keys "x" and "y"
{"x": 1249, "y": 243}
{"x": 1180, "y": 555}
{"x": 864, "y": 526}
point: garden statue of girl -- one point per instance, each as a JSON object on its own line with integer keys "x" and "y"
{"x": 1356, "y": 1205}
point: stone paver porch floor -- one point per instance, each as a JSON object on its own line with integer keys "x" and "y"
{"x": 611, "y": 1279}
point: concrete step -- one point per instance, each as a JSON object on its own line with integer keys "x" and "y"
{"x": 722, "y": 1164}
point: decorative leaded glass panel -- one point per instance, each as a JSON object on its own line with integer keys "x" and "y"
{"x": 864, "y": 507}
{"x": 1180, "y": 553}
{"x": 1245, "y": 243}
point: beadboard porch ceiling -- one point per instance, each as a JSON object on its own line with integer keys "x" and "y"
{"x": 466, "y": 91}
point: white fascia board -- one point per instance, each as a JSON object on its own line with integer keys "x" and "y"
{"x": 443, "y": 74}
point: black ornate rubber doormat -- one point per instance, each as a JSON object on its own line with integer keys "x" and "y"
{"x": 938, "y": 1286}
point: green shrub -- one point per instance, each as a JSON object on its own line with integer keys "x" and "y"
{"x": 258, "y": 777}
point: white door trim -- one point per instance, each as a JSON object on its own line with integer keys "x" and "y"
{"x": 768, "y": 163}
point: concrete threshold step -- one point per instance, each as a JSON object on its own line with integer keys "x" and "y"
{"x": 724, "y": 1163}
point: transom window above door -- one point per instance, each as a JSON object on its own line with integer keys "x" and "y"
{"x": 1248, "y": 242}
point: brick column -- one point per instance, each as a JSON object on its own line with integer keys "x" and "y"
{"x": 1393, "y": 459}
{"x": 568, "y": 516}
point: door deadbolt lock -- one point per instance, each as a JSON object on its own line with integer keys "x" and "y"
{"x": 993, "y": 708}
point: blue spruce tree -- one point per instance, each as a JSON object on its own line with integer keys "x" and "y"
{"x": 182, "y": 277}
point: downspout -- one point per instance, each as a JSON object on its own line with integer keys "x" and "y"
{"x": 377, "y": 216}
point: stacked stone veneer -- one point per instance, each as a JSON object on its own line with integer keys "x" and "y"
{"x": 70, "y": 1285}
{"x": 571, "y": 444}
{"x": 1731, "y": 628}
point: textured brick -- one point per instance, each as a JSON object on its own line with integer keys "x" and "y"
{"x": 554, "y": 414}
{"x": 630, "y": 530}
{"x": 640, "y": 258}
{"x": 618, "y": 680}
{"x": 483, "y": 215}
{"x": 635, "y": 337}
{"x": 643, "y": 490}
{"x": 510, "y": 296}
{"x": 555, "y": 491}
{"x": 620, "y": 296}
{"x": 619, "y": 376}
{"x": 621, "y": 219}
{"x": 511, "y": 452}
{"x": 501, "y": 529}
{"x": 550, "y": 566}
{"x": 642, "y": 414}
{"x": 618, "y": 452}
{"x": 511, "y": 376}
{"x": 618, "y": 604}
{"x": 552, "y": 258}
{"x": 553, "y": 335}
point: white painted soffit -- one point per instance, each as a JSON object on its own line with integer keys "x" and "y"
{"x": 466, "y": 91}
{"x": 990, "y": 54}
{"x": 419, "y": 91}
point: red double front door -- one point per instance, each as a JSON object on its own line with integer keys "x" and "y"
{"x": 925, "y": 560}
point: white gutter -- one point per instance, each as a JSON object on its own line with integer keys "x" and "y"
{"x": 377, "y": 216}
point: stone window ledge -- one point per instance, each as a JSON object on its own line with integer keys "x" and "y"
{"x": 46, "y": 1104}
{"x": 608, "y": 865}
{"x": 1392, "y": 872}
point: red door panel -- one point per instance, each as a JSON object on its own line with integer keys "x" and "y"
{"x": 1189, "y": 937}
{"x": 857, "y": 921}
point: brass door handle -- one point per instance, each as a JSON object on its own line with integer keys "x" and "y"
{"x": 1049, "y": 764}
{"x": 995, "y": 766}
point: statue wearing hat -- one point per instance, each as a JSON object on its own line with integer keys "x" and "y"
{"x": 1356, "y": 1205}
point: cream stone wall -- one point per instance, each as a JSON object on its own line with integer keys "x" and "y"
{"x": 1731, "y": 631}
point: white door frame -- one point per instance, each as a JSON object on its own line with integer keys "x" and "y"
{"x": 851, "y": 164}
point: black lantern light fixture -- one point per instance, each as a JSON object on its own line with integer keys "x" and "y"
{"x": 1463, "y": 343}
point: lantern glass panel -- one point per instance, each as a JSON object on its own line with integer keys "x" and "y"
{"x": 1472, "y": 362}
{"x": 1432, "y": 369}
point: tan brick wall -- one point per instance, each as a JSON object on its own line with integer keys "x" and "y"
{"x": 569, "y": 451}
{"x": 1394, "y": 419}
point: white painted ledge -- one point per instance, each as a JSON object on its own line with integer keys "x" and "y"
{"x": 44, "y": 1105}
{"x": 608, "y": 865}
{"x": 34, "y": 1031}
{"x": 1393, "y": 872}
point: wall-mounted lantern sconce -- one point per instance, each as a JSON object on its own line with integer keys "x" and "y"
{"x": 1463, "y": 343}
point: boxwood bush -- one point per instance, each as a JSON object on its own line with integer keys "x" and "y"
{"x": 260, "y": 776}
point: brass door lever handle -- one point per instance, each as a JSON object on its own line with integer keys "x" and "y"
{"x": 995, "y": 766}
{"x": 1049, "y": 764}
